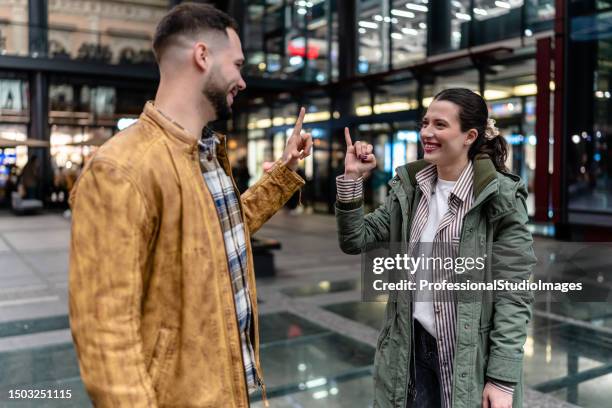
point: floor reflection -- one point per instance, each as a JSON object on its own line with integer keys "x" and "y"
{"x": 322, "y": 287}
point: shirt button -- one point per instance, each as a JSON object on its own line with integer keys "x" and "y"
{"x": 463, "y": 375}
{"x": 467, "y": 326}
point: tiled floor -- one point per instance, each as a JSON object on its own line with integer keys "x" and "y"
{"x": 317, "y": 336}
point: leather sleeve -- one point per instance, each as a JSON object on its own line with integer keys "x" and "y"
{"x": 109, "y": 245}
{"x": 269, "y": 194}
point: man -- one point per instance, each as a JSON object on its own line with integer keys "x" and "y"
{"x": 162, "y": 289}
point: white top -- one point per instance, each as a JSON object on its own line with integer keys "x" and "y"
{"x": 438, "y": 206}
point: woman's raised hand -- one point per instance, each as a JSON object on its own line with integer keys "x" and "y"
{"x": 359, "y": 160}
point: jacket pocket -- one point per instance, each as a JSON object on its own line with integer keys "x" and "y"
{"x": 161, "y": 356}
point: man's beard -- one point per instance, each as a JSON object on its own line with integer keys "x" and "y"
{"x": 218, "y": 100}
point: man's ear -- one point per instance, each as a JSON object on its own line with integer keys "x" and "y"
{"x": 201, "y": 56}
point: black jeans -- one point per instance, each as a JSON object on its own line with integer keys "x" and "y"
{"x": 426, "y": 369}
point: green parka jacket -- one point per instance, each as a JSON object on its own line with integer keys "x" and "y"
{"x": 491, "y": 327}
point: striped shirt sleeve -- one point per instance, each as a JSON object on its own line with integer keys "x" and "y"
{"x": 349, "y": 190}
{"x": 502, "y": 386}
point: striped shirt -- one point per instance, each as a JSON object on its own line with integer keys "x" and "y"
{"x": 226, "y": 201}
{"x": 447, "y": 233}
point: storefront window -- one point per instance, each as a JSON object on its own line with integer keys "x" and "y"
{"x": 102, "y": 31}
{"x": 288, "y": 39}
{"x": 539, "y": 15}
{"x": 408, "y": 32}
{"x": 259, "y": 148}
{"x": 71, "y": 146}
{"x": 61, "y": 97}
{"x": 374, "y": 23}
{"x": 464, "y": 79}
{"x": 396, "y": 97}
{"x": 17, "y": 156}
{"x": 461, "y": 19}
{"x": 13, "y": 96}
{"x": 496, "y": 20}
{"x": 590, "y": 139}
{"x": 14, "y": 28}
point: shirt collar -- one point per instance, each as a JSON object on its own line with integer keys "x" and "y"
{"x": 426, "y": 177}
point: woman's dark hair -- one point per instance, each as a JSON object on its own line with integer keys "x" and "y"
{"x": 474, "y": 114}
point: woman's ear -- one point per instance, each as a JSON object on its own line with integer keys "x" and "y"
{"x": 472, "y": 135}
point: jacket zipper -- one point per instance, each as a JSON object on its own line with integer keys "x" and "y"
{"x": 246, "y": 384}
{"x": 412, "y": 348}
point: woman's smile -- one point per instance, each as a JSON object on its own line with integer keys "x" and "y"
{"x": 430, "y": 147}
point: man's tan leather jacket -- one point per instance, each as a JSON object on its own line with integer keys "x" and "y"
{"x": 151, "y": 303}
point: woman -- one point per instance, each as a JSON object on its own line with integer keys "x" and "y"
{"x": 466, "y": 352}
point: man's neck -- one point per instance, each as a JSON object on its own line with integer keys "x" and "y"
{"x": 183, "y": 111}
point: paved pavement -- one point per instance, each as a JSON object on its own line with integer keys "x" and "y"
{"x": 34, "y": 264}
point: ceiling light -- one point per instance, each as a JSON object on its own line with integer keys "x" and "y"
{"x": 378, "y": 17}
{"x": 410, "y": 31}
{"x": 416, "y": 7}
{"x": 397, "y": 36}
{"x": 495, "y": 94}
{"x": 502, "y": 4}
{"x": 463, "y": 16}
{"x": 525, "y": 90}
{"x": 402, "y": 13}
{"x": 480, "y": 11}
{"x": 367, "y": 24}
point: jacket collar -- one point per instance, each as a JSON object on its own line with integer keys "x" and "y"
{"x": 177, "y": 132}
{"x": 171, "y": 127}
{"x": 483, "y": 169}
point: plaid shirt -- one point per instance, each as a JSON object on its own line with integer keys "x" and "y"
{"x": 228, "y": 207}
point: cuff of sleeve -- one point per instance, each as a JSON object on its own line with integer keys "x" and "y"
{"x": 281, "y": 172}
{"x": 504, "y": 386}
{"x": 504, "y": 369}
{"x": 349, "y": 190}
{"x": 349, "y": 206}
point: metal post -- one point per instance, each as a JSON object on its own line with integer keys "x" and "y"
{"x": 542, "y": 128}
{"x": 438, "y": 27}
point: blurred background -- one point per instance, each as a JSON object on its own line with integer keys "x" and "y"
{"x": 73, "y": 73}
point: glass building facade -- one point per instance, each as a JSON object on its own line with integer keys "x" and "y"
{"x": 372, "y": 65}
{"x": 76, "y": 72}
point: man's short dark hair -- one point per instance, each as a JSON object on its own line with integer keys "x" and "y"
{"x": 190, "y": 19}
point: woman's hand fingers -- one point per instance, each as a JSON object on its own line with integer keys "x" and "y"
{"x": 347, "y": 138}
